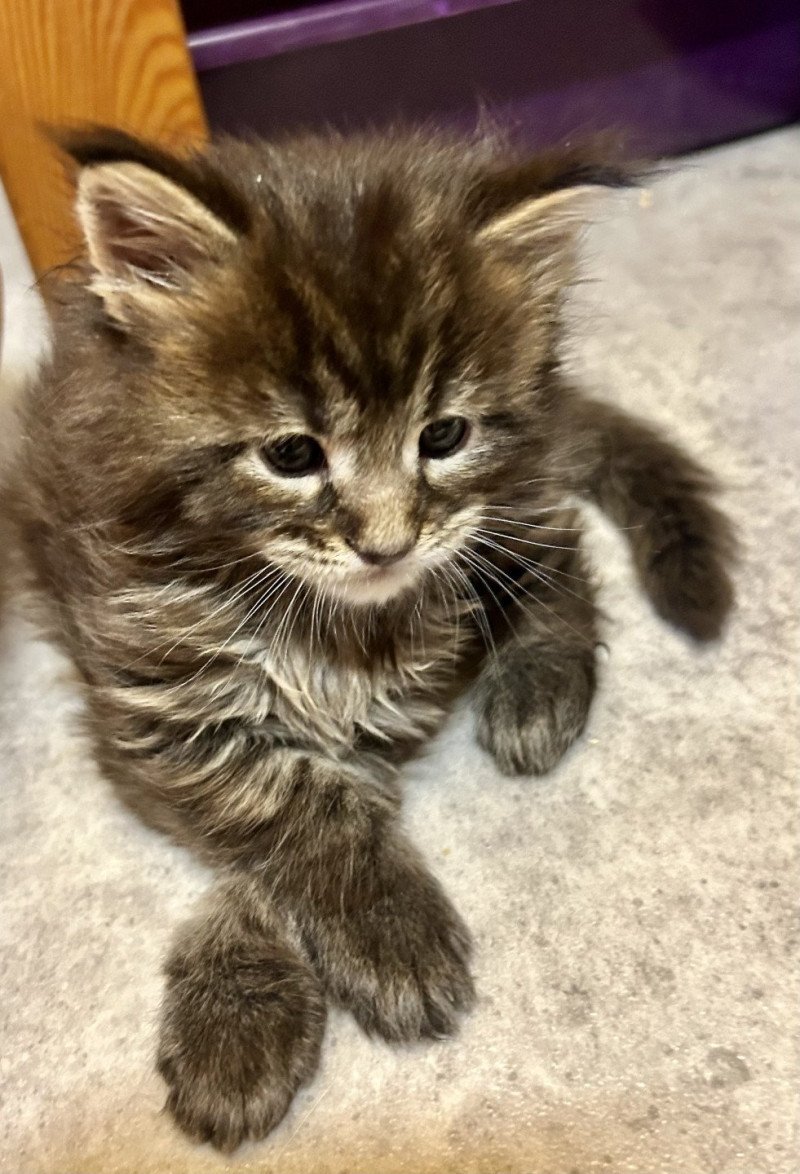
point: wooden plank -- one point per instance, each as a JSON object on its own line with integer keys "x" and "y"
{"x": 120, "y": 62}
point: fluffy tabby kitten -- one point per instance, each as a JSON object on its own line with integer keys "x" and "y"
{"x": 295, "y": 474}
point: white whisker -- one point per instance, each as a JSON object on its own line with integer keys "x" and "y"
{"x": 250, "y": 583}
{"x": 516, "y": 588}
{"x": 541, "y": 545}
{"x": 533, "y": 567}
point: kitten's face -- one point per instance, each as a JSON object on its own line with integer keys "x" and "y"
{"x": 371, "y": 517}
{"x": 364, "y": 495}
{"x": 343, "y": 351}
{"x": 372, "y": 439}
{"x": 365, "y": 511}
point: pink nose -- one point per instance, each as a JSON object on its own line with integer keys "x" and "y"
{"x": 380, "y": 558}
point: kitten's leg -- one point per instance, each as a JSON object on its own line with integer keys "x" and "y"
{"x": 242, "y": 1020}
{"x": 682, "y": 544}
{"x": 318, "y": 841}
{"x": 375, "y": 923}
{"x": 384, "y": 936}
{"x": 532, "y": 697}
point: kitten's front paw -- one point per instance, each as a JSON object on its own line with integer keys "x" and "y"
{"x": 399, "y": 961}
{"x": 532, "y": 703}
{"x": 240, "y": 1034}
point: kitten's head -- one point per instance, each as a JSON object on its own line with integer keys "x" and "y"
{"x": 337, "y": 353}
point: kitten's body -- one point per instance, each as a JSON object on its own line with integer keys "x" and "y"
{"x": 262, "y": 647}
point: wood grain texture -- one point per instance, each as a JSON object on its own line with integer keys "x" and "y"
{"x": 120, "y": 62}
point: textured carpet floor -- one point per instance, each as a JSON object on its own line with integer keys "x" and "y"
{"x": 634, "y": 914}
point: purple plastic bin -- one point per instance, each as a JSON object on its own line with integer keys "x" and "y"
{"x": 675, "y": 75}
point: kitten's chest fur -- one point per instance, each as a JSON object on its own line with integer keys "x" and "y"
{"x": 363, "y": 685}
{"x": 389, "y": 696}
{"x": 313, "y": 699}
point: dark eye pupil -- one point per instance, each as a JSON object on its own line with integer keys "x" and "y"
{"x": 443, "y": 437}
{"x": 294, "y": 455}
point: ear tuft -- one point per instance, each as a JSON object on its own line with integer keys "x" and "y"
{"x": 92, "y": 146}
{"x": 512, "y": 177}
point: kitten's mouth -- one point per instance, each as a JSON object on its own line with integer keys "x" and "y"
{"x": 376, "y": 585}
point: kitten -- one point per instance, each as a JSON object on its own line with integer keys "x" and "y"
{"x": 294, "y": 477}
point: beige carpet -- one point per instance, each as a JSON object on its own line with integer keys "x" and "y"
{"x": 635, "y": 913}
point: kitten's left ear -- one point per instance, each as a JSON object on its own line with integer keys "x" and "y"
{"x": 539, "y": 239}
{"x": 532, "y": 210}
{"x": 550, "y": 220}
{"x": 148, "y": 218}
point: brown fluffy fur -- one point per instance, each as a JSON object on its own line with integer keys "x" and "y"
{"x": 252, "y": 681}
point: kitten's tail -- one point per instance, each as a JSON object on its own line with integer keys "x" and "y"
{"x": 683, "y": 546}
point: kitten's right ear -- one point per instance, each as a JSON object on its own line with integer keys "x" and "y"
{"x": 150, "y": 220}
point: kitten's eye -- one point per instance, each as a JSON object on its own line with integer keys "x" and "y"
{"x": 294, "y": 455}
{"x": 443, "y": 437}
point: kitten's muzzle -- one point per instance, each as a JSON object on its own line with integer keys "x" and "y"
{"x": 382, "y": 557}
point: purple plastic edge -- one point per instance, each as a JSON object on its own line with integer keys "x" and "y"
{"x": 267, "y": 36}
{"x": 677, "y": 104}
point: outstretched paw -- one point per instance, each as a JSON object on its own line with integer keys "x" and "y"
{"x": 394, "y": 952}
{"x": 532, "y": 704}
{"x": 240, "y": 1034}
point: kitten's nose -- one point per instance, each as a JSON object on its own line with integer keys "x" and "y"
{"x": 380, "y": 558}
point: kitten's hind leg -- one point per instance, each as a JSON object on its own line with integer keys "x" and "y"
{"x": 242, "y": 1021}
{"x": 533, "y": 694}
{"x": 682, "y": 545}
